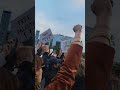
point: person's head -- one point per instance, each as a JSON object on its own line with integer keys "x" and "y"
{"x": 8, "y": 81}
{"x": 57, "y": 65}
{"x": 24, "y": 53}
{"x": 38, "y": 69}
{"x": 54, "y": 62}
{"x": 45, "y": 48}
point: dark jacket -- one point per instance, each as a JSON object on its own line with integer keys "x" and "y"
{"x": 79, "y": 83}
{"x": 64, "y": 79}
{"x": 45, "y": 58}
{"x": 10, "y": 60}
{"x": 26, "y": 76}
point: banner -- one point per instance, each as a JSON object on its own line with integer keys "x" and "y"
{"x": 65, "y": 45}
{"x": 46, "y": 36}
{"x": 24, "y": 25}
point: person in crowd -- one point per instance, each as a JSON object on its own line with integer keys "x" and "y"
{"x": 45, "y": 51}
{"x": 54, "y": 67}
{"x": 60, "y": 55}
{"x": 45, "y": 57}
{"x": 64, "y": 79}
{"x": 25, "y": 74}
{"x": 11, "y": 57}
{"x": 8, "y": 81}
{"x": 99, "y": 53}
{"x": 80, "y": 77}
{"x": 39, "y": 83}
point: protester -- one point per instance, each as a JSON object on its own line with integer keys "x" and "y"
{"x": 25, "y": 62}
{"x": 54, "y": 67}
{"x": 8, "y": 81}
{"x": 80, "y": 77}
{"x": 38, "y": 72}
{"x": 45, "y": 57}
{"x": 60, "y": 55}
{"x": 50, "y": 62}
{"x": 64, "y": 79}
{"x": 45, "y": 51}
{"x": 99, "y": 53}
{"x": 11, "y": 57}
{"x": 18, "y": 60}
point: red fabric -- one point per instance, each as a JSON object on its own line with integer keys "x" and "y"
{"x": 98, "y": 65}
{"x": 64, "y": 79}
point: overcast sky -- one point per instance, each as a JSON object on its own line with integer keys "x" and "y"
{"x": 60, "y": 16}
{"x": 17, "y": 7}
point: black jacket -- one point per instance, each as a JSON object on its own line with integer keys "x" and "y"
{"x": 10, "y": 60}
{"x": 26, "y": 76}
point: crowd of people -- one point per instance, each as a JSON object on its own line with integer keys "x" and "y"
{"x": 48, "y": 64}
{"x": 16, "y": 65}
{"x": 22, "y": 69}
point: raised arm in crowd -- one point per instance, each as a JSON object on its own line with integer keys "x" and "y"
{"x": 64, "y": 79}
{"x": 99, "y": 53}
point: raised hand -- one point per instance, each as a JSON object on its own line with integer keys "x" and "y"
{"x": 77, "y": 28}
{"x": 102, "y": 7}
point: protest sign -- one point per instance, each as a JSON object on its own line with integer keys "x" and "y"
{"x": 46, "y": 36}
{"x": 4, "y": 26}
{"x": 65, "y": 45}
{"x": 24, "y": 25}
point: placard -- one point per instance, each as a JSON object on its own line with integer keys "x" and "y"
{"x": 65, "y": 45}
{"x": 24, "y": 25}
{"x": 46, "y": 36}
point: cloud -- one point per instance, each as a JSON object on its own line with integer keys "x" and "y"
{"x": 78, "y": 3}
{"x": 43, "y": 23}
